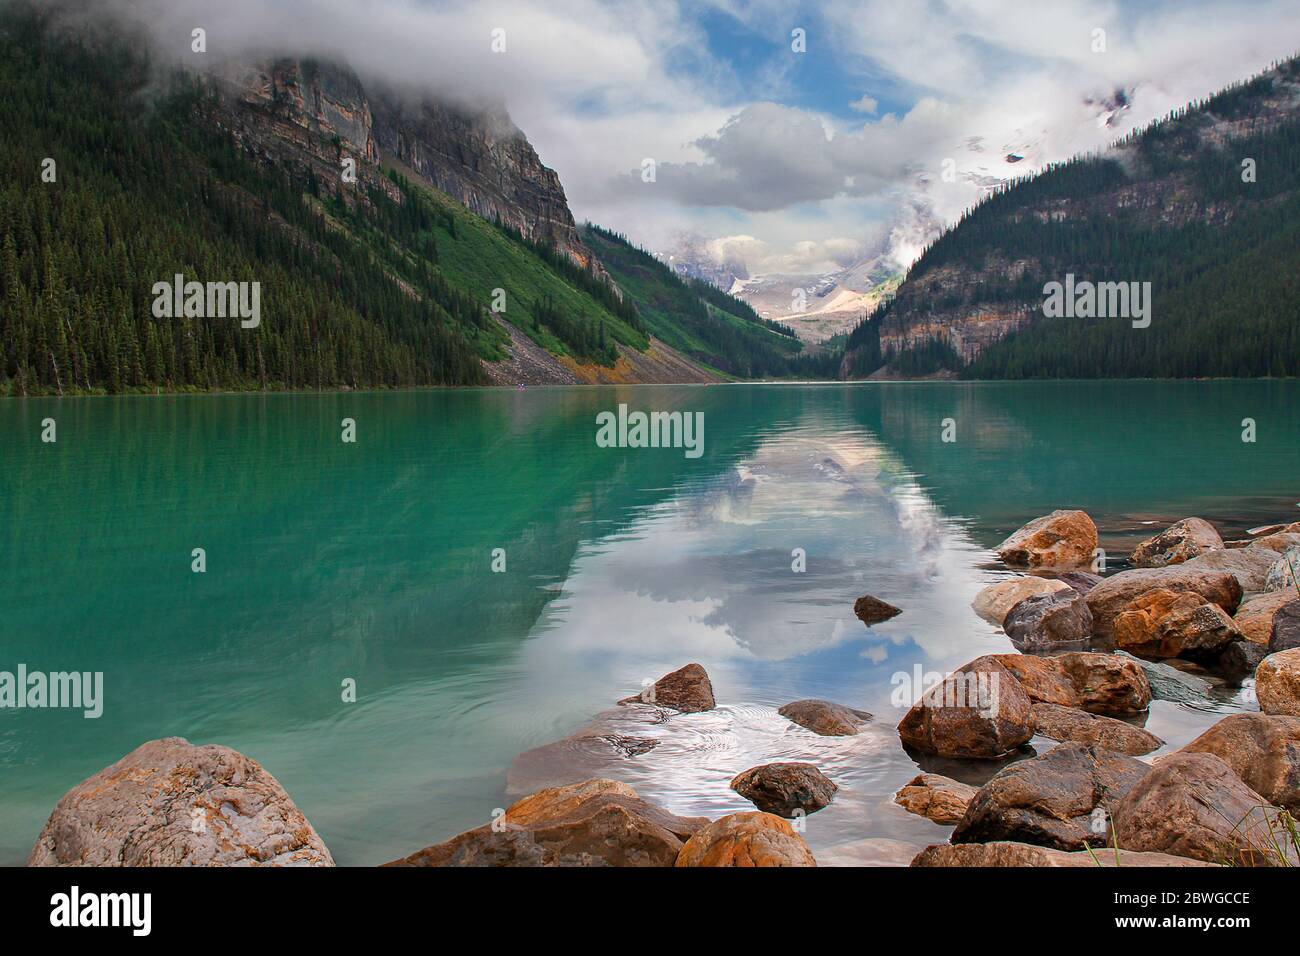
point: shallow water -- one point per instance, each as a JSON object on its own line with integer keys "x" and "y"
{"x": 372, "y": 561}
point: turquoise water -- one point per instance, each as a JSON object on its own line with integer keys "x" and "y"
{"x": 373, "y": 561}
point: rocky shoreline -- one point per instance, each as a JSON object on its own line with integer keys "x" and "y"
{"x": 1093, "y": 651}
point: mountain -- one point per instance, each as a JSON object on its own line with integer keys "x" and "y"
{"x": 387, "y": 239}
{"x": 1175, "y": 205}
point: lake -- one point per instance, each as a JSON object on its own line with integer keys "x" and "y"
{"x": 372, "y": 561}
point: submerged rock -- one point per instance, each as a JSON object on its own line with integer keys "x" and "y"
{"x": 1172, "y": 684}
{"x": 1060, "y": 539}
{"x": 1050, "y": 800}
{"x": 825, "y": 718}
{"x": 1262, "y": 750}
{"x": 871, "y": 610}
{"x": 593, "y": 823}
{"x": 784, "y": 788}
{"x": 1164, "y": 623}
{"x": 1003, "y": 854}
{"x": 1192, "y": 804}
{"x": 1109, "y": 597}
{"x": 979, "y": 711}
{"x": 1071, "y": 724}
{"x": 1098, "y": 683}
{"x": 995, "y": 601}
{"x": 940, "y": 798}
{"x": 1050, "y": 621}
{"x": 687, "y": 689}
{"x": 1277, "y": 683}
{"x": 746, "y": 839}
{"x": 1180, "y": 542}
{"x": 171, "y": 803}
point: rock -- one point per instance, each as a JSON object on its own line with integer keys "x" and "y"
{"x": 1164, "y": 623}
{"x": 871, "y": 610}
{"x": 1098, "y": 683}
{"x": 1002, "y": 854}
{"x": 746, "y": 839}
{"x": 993, "y": 603}
{"x": 171, "y": 803}
{"x": 1262, "y": 750}
{"x": 1254, "y": 619}
{"x": 1193, "y": 805}
{"x": 979, "y": 711}
{"x": 593, "y": 823}
{"x": 1278, "y": 542}
{"x": 1277, "y": 683}
{"x": 1109, "y": 597}
{"x": 1049, "y": 800}
{"x": 825, "y": 718}
{"x": 784, "y": 788}
{"x": 1281, "y": 576}
{"x": 1081, "y": 581}
{"x": 1169, "y": 683}
{"x": 1248, "y": 565}
{"x": 1069, "y": 723}
{"x": 1180, "y": 542}
{"x": 1286, "y": 627}
{"x": 942, "y": 799}
{"x": 1240, "y": 659}
{"x": 1060, "y": 539}
{"x": 687, "y": 689}
{"x": 1050, "y": 621}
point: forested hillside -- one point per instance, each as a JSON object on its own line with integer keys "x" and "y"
{"x": 1175, "y": 205}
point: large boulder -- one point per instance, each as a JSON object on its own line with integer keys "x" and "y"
{"x": 1279, "y": 541}
{"x": 1192, "y": 804}
{"x": 1254, "y": 619}
{"x": 1248, "y": 565}
{"x": 785, "y": 789}
{"x": 171, "y": 803}
{"x": 1277, "y": 683}
{"x": 825, "y": 718}
{"x": 1004, "y": 854}
{"x": 1062, "y": 539}
{"x": 1286, "y": 627}
{"x": 1165, "y": 623}
{"x": 993, "y": 603}
{"x": 593, "y": 823}
{"x": 1263, "y": 750}
{"x": 1069, "y": 723}
{"x": 979, "y": 711}
{"x": 1098, "y": 683}
{"x": 1282, "y": 575}
{"x": 940, "y": 798}
{"x": 746, "y": 839}
{"x": 1109, "y": 597}
{"x": 687, "y": 689}
{"x": 871, "y": 610}
{"x": 1180, "y": 542}
{"x": 1050, "y": 621}
{"x": 1050, "y": 800}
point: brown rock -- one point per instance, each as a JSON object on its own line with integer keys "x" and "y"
{"x": 1050, "y": 800}
{"x": 1164, "y": 623}
{"x": 1278, "y": 541}
{"x": 871, "y": 610}
{"x": 1109, "y": 597}
{"x": 1060, "y": 539}
{"x": 1277, "y": 683}
{"x": 1193, "y": 805}
{"x": 1286, "y": 627}
{"x": 746, "y": 839}
{"x": 993, "y": 603}
{"x": 171, "y": 803}
{"x": 1179, "y": 542}
{"x": 593, "y": 823}
{"x": 687, "y": 689}
{"x": 825, "y": 718}
{"x": 1254, "y": 619}
{"x": 1081, "y": 581}
{"x": 1050, "y": 621}
{"x": 942, "y": 799}
{"x": 978, "y": 711}
{"x": 785, "y": 788}
{"x": 1070, "y": 723}
{"x": 1262, "y": 750}
{"x": 1002, "y": 854}
{"x": 1248, "y": 565}
{"x": 1098, "y": 683}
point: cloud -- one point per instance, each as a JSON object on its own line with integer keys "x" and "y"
{"x": 865, "y": 104}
